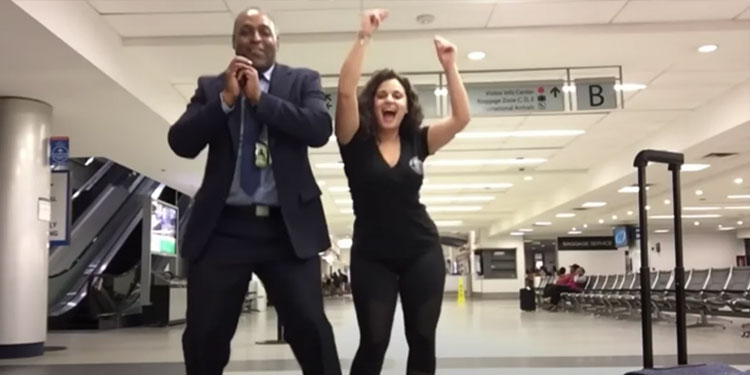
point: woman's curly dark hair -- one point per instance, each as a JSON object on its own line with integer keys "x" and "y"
{"x": 412, "y": 119}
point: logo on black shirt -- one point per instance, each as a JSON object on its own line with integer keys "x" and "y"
{"x": 416, "y": 165}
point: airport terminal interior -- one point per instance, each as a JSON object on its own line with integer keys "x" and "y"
{"x": 541, "y": 186}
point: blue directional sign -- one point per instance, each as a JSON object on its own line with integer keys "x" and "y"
{"x": 59, "y": 150}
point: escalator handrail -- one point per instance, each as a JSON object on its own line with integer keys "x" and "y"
{"x": 95, "y": 177}
{"x": 96, "y": 237}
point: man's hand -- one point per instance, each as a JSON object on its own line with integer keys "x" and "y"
{"x": 371, "y": 20}
{"x": 232, "y": 79}
{"x": 251, "y": 87}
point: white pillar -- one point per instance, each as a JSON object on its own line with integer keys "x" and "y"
{"x": 24, "y": 236}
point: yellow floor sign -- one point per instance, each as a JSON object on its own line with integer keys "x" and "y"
{"x": 461, "y": 295}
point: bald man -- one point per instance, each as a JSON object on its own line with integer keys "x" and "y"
{"x": 258, "y": 209}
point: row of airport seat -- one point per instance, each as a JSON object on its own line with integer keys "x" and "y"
{"x": 711, "y": 294}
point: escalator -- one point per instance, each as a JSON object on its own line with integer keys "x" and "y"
{"x": 104, "y": 251}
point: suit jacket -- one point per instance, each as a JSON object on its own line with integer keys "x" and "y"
{"x": 295, "y": 113}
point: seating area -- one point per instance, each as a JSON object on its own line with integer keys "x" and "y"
{"x": 712, "y": 296}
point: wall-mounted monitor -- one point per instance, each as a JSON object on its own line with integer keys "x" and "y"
{"x": 164, "y": 219}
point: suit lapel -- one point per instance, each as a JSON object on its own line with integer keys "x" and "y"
{"x": 280, "y": 87}
{"x": 234, "y": 119}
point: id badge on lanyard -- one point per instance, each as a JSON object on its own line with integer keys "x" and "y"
{"x": 262, "y": 152}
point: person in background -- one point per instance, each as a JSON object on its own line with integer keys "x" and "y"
{"x": 581, "y": 278}
{"x": 254, "y": 213}
{"x": 396, "y": 247}
{"x": 564, "y": 284}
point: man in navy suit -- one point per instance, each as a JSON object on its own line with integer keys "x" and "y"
{"x": 258, "y": 209}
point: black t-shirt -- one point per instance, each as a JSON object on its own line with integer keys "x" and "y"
{"x": 390, "y": 220}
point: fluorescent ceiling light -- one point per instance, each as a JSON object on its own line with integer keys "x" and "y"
{"x": 516, "y": 233}
{"x": 630, "y": 213}
{"x": 476, "y": 55}
{"x": 483, "y": 162}
{"x": 601, "y": 221}
{"x": 526, "y": 230}
{"x": 704, "y": 216}
{"x": 585, "y": 225}
{"x": 594, "y": 204}
{"x": 700, "y": 208}
{"x": 739, "y": 196}
{"x": 336, "y": 165}
{"x": 454, "y": 208}
{"x": 667, "y": 202}
{"x": 628, "y": 87}
{"x": 737, "y": 208}
{"x": 699, "y": 192}
{"x": 449, "y": 223}
{"x": 565, "y": 215}
{"x": 614, "y": 217}
{"x": 726, "y": 229}
{"x": 694, "y": 167}
{"x": 739, "y": 180}
{"x": 697, "y": 223}
{"x": 448, "y": 198}
{"x": 630, "y": 189}
{"x": 467, "y": 186}
{"x": 575, "y": 232}
{"x": 528, "y": 178}
{"x": 661, "y": 231}
{"x": 708, "y": 48}
{"x": 520, "y": 134}
{"x": 542, "y": 224}
{"x": 740, "y": 222}
{"x": 344, "y": 243}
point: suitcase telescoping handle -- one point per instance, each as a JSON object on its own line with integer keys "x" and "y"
{"x": 674, "y": 162}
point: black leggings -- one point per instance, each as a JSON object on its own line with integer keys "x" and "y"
{"x": 375, "y": 286}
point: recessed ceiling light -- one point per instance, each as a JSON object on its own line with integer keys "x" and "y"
{"x": 542, "y": 224}
{"x": 528, "y": 178}
{"x": 594, "y": 204}
{"x": 565, "y": 215}
{"x": 740, "y": 222}
{"x": 708, "y": 48}
{"x": 699, "y": 192}
{"x": 697, "y": 223}
{"x": 630, "y": 213}
{"x": 477, "y": 55}
{"x": 601, "y": 221}
{"x": 739, "y": 196}
{"x": 585, "y": 226}
{"x": 629, "y": 87}
{"x": 667, "y": 202}
{"x": 648, "y": 207}
{"x": 739, "y": 180}
{"x": 694, "y": 167}
{"x": 574, "y": 228}
{"x": 614, "y": 217}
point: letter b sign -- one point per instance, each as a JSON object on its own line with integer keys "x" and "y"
{"x": 596, "y": 94}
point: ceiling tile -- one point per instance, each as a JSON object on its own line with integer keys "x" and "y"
{"x": 157, "y": 6}
{"x": 699, "y": 79}
{"x": 577, "y": 121}
{"x": 554, "y": 13}
{"x": 674, "y": 98}
{"x": 672, "y": 11}
{"x": 178, "y": 24}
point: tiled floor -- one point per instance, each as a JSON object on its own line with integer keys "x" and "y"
{"x": 480, "y": 337}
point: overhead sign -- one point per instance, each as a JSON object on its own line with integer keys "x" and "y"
{"x": 596, "y": 94}
{"x": 586, "y": 243}
{"x": 59, "y": 224}
{"x": 59, "y": 149}
{"x": 494, "y": 99}
{"x": 426, "y": 94}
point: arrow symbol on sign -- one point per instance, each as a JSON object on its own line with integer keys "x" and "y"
{"x": 555, "y": 91}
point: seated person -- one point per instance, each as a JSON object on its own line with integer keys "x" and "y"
{"x": 564, "y": 284}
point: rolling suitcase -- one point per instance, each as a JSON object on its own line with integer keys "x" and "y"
{"x": 528, "y": 299}
{"x": 674, "y": 161}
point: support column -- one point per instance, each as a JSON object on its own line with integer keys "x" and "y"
{"x": 24, "y": 236}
